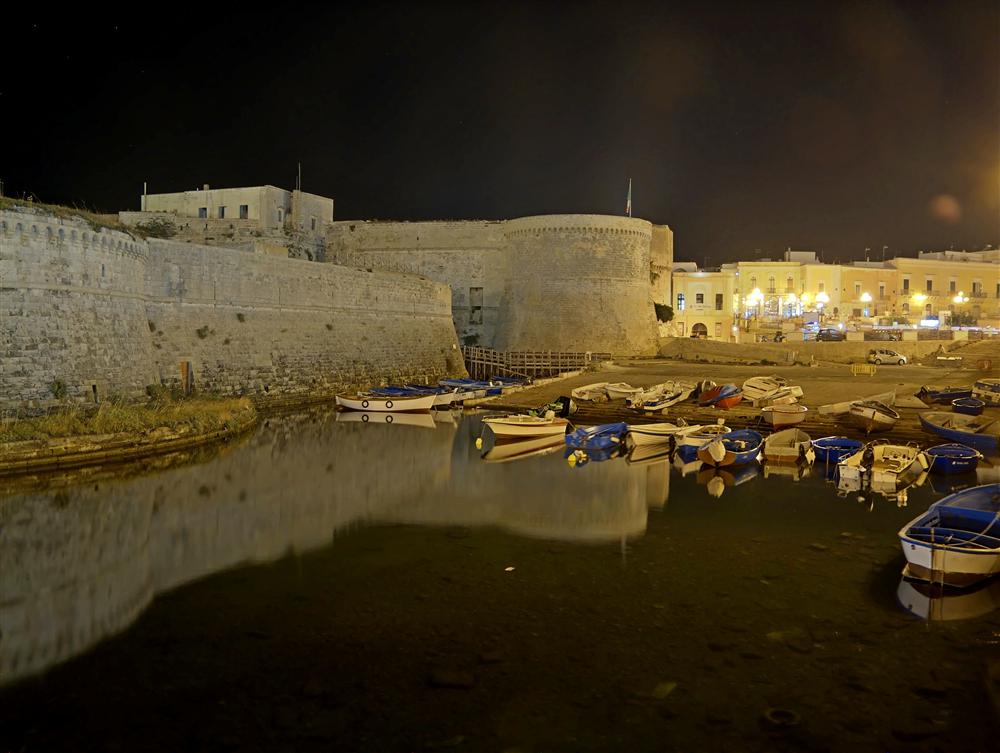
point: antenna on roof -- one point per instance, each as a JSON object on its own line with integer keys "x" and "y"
{"x": 298, "y": 180}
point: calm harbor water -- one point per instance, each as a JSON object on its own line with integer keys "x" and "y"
{"x": 334, "y": 585}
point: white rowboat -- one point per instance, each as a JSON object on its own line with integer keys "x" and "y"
{"x": 789, "y": 446}
{"x": 657, "y": 433}
{"x": 387, "y": 404}
{"x": 870, "y": 415}
{"x": 784, "y": 415}
{"x": 526, "y": 426}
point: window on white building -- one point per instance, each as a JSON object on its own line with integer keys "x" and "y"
{"x": 718, "y": 301}
{"x": 822, "y": 287}
{"x": 202, "y": 213}
{"x": 222, "y": 213}
{"x": 244, "y": 211}
{"x": 857, "y": 290}
{"x": 680, "y": 301}
{"x": 699, "y": 297}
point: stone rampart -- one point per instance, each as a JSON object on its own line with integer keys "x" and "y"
{"x": 102, "y": 313}
{"x": 578, "y": 282}
{"x": 466, "y": 255}
{"x": 72, "y": 310}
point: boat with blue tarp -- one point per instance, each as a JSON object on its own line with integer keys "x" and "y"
{"x": 956, "y": 542}
{"x": 603, "y": 437}
{"x": 943, "y": 394}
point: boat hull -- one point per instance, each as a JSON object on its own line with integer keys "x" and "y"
{"x": 546, "y": 428}
{"x": 989, "y": 444}
{"x": 780, "y": 416}
{"x": 869, "y": 419}
{"x": 654, "y": 433}
{"x": 735, "y": 448}
{"x": 835, "y": 449}
{"x": 970, "y": 406}
{"x": 386, "y": 404}
{"x": 987, "y": 390}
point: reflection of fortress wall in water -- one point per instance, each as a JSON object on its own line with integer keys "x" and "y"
{"x": 79, "y": 565}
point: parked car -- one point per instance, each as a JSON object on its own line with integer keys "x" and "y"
{"x": 833, "y": 335}
{"x": 884, "y": 355}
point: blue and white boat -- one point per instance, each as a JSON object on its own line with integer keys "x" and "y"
{"x": 734, "y": 448}
{"x": 715, "y": 394}
{"x": 970, "y": 406}
{"x": 475, "y": 386}
{"x": 689, "y": 442}
{"x": 834, "y": 449}
{"x": 987, "y": 390}
{"x": 943, "y": 394}
{"x": 603, "y": 437}
{"x": 972, "y": 431}
{"x": 953, "y": 458}
{"x": 957, "y": 541}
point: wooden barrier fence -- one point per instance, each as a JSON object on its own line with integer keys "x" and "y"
{"x": 483, "y": 363}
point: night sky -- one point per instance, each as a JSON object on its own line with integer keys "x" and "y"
{"x": 744, "y": 126}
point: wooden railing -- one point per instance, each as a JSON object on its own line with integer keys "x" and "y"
{"x": 483, "y": 363}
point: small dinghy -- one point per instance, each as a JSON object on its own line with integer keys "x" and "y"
{"x": 838, "y": 409}
{"x": 595, "y": 438}
{"x": 884, "y": 466}
{"x": 871, "y": 415}
{"x": 780, "y": 416}
{"x": 661, "y": 396}
{"x": 953, "y": 458}
{"x": 734, "y": 448}
{"x": 834, "y": 449}
{"x": 526, "y": 426}
{"x": 756, "y": 388}
{"x": 442, "y": 395}
{"x": 715, "y": 394}
{"x": 641, "y": 434}
{"x": 970, "y": 406}
{"x": 789, "y": 446}
{"x": 596, "y": 391}
{"x": 622, "y": 391}
{"x": 729, "y": 401}
{"x": 383, "y": 403}
{"x": 689, "y": 442}
{"x": 987, "y": 390}
{"x": 957, "y": 541}
{"x": 972, "y": 431}
{"x": 943, "y": 394}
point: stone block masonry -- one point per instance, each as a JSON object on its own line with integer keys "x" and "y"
{"x": 99, "y": 312}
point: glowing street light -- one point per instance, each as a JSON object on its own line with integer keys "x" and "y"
{"x": 961, "y": 298}
{"x": 919, "y": 299}
{"x": 866, "y": 297}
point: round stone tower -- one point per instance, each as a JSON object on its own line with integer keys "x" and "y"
{"x": 578, "y": 282}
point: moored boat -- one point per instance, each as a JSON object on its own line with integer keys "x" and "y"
{"x": 596, "y": 391}
{"x": 385, "y": 403}
{"x": 780, "y": 416}
{"x": 729, "y": 401}
{"x": 953, "y": 458}
{"x": 603, "y": 437}
{"x": 526, "y": 426}
{"x": 661, "y": 396}
{"x": 734, "y": 448}
{"x": 621, "y": 390}
{"x": 943, "y": 394}
{"x": 970, "y": 406}
{"x": 689, "y": 442}
{"x": 972, "y": 431}
{"x": 642, "y": 434}
{"x": 715, "y": 394}
{"x": 837, "y": 409}
{"x": 788, "y": 446}
{"x": 871, "y": 415}
{"x": 756, "y": 388}
{"x": 835, "y": 449}
{"x": 956, "y": 542}
{"x": 987, "y": 390}
{"x": 894, "y": 466}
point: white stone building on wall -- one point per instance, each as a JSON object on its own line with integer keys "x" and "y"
{"x": 265, "y": 207}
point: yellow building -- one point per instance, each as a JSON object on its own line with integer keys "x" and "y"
{"x": 704, "y": 304}
{"x": 949, "y": 281}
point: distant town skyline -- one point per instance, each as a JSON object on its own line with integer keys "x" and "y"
{"x": 743, "y": 127}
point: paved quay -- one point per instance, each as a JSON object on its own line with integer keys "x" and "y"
{"x": 822, "y": 384}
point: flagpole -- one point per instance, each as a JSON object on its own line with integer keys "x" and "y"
{"x": 628, "y": 199}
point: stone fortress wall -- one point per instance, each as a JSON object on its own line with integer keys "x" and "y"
{"x": 552, "y": 282}
{"x": 103, "y": 312}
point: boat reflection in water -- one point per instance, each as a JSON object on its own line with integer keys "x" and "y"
{"x": 81, "y": 563}
{"x": 787, "y": 470}
{"x": 717, "y": 480}
{"x": 935, "y": 602}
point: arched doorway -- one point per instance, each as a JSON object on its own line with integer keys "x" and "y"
{"x": 699, "y": 330}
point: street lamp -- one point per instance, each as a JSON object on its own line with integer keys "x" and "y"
{"x": 961, "y": 298}
{"x": 866, "y": 298}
